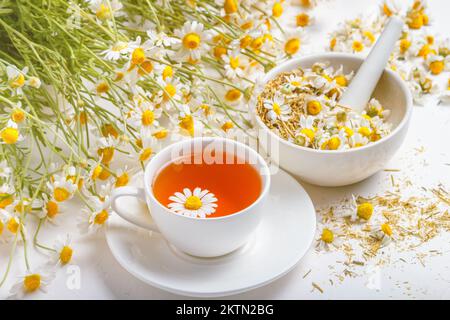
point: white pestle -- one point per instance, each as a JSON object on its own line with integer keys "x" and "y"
{"x": 364, "y": 82}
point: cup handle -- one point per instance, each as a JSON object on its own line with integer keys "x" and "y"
{"x": 138, "y": 220}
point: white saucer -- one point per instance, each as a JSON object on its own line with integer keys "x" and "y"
{"x": 281, "y": 240}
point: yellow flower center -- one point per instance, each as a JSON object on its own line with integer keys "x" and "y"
{"x": 332, "y": 144}
{"x": 101, "y": 217}
{"x": 102, "y": 87}
{"x": 193, "y": 203}
{"x": 302, "y": 19}
{"x": 1, "y": 227}
{"x": 309, "y": 133}
{"x": 219, "y": 51}
{"x": 12, "y": 225}
{"x": 292, "y": 46}
{"x": 365, "y": 131}
{"x": 233, "y": 95}
{"x": 313, "y": 107}
{"x": 415, "y": 20}
{"x": 32, "y": 282}
{"x": 103, "y": 12}
{"x": 147, "y": 117}
{"x": 234, "y": 62}
{"x": 333, "y": 42}
{"x": 187, "y": 123}
{"x": 18, "y": 82}
{"x": 341, "y": 80}
{"x": 230, "y": 6}
{"x": 436, "y": 67}
{"x": 257, "y": 43}
{"x": 18, "y": 116}
{"x": 145, "y": 154}
{"x": 167, "y": 72}
{"x": 357, "y": 46}
{"x": 348, "y": 131}
{"x": 365, "y": 210}
{"x": 386, "y": 10}
{"x": 145, "y": 68}
{"x": 191, "y": 41}
{"x": 109, "y": 130}
{"x": 6, "y": 200}
{"x": 122, "y": 180}
{"x": 61, "y": 194}
{"x": 138, "y": 56}
{"x": 106, "y": 154}
{"x": 170, "y": 90}
{"x": 66, "y": 254}
{"x": 245, "y": 41}
{"x": 96, "y": 172}
{"x": 425, "y": 51}
{"x": 430, "y": 39}
{"x": 277, "y": 10}
{"x": 404, "y": 45}
{"x": 327, "y": 236}
{"x": 161, "y": 134}
{"x": 386, "y": 228}
{"x": 104, "y": 174}
{"x": 9, "y": 135}
{"x": 369, "y": 35}
{"x": 227, "y": 126}
{"x": 52, "y": 209}
{"x": 276, "y": 108}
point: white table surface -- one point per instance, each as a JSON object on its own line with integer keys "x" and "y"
{"x": 103, "y": 278}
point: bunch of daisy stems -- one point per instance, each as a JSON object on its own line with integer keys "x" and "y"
{"x": 86, "y": 84}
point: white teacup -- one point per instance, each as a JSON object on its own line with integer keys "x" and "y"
{"x": 202, "y": 237}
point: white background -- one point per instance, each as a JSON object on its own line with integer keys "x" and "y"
{"x": 103, "y": 278}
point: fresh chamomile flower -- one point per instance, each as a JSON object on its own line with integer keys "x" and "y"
{"x": 61, "y": 188}
{"x": 145, "y": 115}
{"x": 234, "y": 64}
{"x": 63, "y": 251}
{"x": 375, "y": 109}
{"x": 358, "y": 211}
{"x": 7, "y": 193}
{"x": 292, "y": 41}
{"x": 31, "y": 282}
{"x": 358, "y": 140}
{"x": 10, "y": 134}
{"x": 278, "y": 108}
{"x": 327, "y": 238}
{"x": 293, "y": 81}
{"x": 148, "y": 146}
{"x": 17, "y": 113}
{"x": 122, "y": 177}
{"x": 118, "y": 50}
{"x": 389, "y": 8}
{"x": 106, "y": 147}
{"x": 194, "y": 41}
{"x": 334, "y": 142}
{"x": 188, "y": 123}
{"x": 384, "y": 233}
{"x": 197, "y": 203}
{"x": 10, "y": 225}
{"x": 95, "y": 217}
{"x": 171, "y": 90}
{"x": 437, "y": 64}
{"x": 51, "y": 209}
{"x": 16, "y": 78}
{"x": 106, "y": 9}
{"x": 304, "y": 19}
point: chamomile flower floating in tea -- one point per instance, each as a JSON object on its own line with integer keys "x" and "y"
{"x": 301, "y": 106}
{"x": 197, "y": 204}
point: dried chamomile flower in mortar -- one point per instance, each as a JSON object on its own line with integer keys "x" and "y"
{"x": 302, "y": 107}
